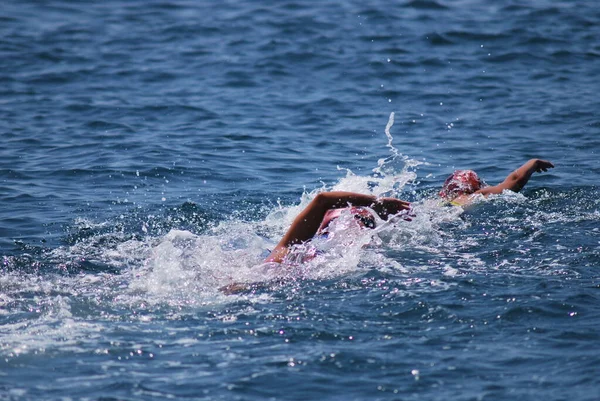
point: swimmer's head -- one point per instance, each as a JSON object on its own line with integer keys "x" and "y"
{"x": 461, "y": 182}
{"x": 363, "y": 217}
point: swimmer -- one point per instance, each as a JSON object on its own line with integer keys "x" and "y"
{"x": 326, "y": 207}
{"x": 317, "y": 216}
{"x": 462, "y": 187}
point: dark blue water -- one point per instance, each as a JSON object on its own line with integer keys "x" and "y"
{"x": 153, "y": 151}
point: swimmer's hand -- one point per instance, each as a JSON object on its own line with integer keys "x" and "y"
{"x": 385, "y": 207}
{"x": 234, "y": 288}
{"x": 248, "y": 288}
{"x": 542, "y": 165}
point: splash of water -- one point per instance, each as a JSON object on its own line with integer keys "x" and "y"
{"x": 390, "y": 180}
{"x": 190, "y": 268}
{"x": 186, "y": 269}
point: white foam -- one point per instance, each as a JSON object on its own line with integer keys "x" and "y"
{"x": 53, "y": 327}
{"x": 182, "y": 265}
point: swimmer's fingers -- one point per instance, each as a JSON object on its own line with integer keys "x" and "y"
{"x": 407, "y": 214}
{"x": 404, "y": 205}
{"x": 407, "y": 217}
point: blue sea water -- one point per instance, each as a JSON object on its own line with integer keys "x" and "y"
{"x": 153, "y": 151}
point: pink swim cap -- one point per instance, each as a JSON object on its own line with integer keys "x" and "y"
{"x": 363, "y": 216}
{"x": 461, "y": 182}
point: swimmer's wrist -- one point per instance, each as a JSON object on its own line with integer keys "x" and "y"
{"x": 380, "y": 206}
{"x": 385, "y": 207}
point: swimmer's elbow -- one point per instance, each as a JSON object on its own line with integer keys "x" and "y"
{"x": 277, "y": 255}
{"x": 321, "y": 198}
{"x": 515, "y": 182}
{"x": 326, "y": 200}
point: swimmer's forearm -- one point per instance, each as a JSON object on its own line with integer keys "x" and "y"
{"x": 307, "y": 223}
{"x": 519, "y": 178}
{"x": 341, "y": 199}
{"x": 382, "y": 206}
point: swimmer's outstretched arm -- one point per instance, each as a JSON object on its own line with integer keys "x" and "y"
{"x": 307, "y": 223}
{"x": 518, "y": 178}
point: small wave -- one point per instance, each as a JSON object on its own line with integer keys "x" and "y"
{"x": 545, "y": 12}
{"x": 512, "y": 56}
{"x": 438, "y": 39}
{"x": 241, "y": 79}
{"x": 458, "y": 36}
{"x": 425, "y": 5}
{"x": 109, "y": 126}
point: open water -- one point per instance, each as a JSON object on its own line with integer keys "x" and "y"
{"x": 153, "y": 151}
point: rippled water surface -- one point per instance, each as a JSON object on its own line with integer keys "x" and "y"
{"x": 153, "y": 152}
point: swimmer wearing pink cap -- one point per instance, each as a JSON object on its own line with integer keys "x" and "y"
{"x": 460, "y": 188}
